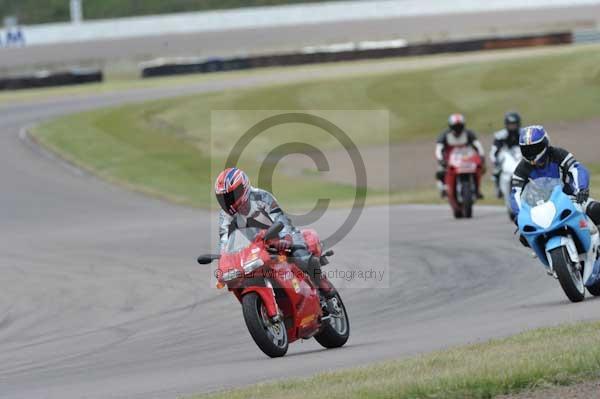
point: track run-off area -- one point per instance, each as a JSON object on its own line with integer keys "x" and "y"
{"x": 100, "y": 295}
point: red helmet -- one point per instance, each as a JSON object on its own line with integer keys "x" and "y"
{"x": 232, "y": 189}
{"x": 456, "y": 122}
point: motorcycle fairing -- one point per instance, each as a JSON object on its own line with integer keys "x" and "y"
{"x": 302, "y": 295}
{"x": 463, "y": 162}
{"x": 280, "y": 286}
{"x": 570, "y": 228}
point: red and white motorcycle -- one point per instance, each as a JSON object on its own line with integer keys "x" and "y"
{"x": 280, "y": 303}
{"x": 465, "y": 168}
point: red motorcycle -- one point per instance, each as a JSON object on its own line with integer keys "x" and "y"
{"x": 464, "y": 171}
{"x": 280, "y": 303}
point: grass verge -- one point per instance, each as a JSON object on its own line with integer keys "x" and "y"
{"x": 121, "y": 146}
{"x": 539, "y": 358}
{"x": 164, "y": 147}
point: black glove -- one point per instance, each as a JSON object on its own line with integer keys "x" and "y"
{"x": 523, "y": 241}
{"x": 281, "y": 244}
{"x": 443, "y": 163}
{"x": 582, "y": 195}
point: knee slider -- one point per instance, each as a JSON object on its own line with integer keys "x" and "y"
{"x": 593, "y": 211}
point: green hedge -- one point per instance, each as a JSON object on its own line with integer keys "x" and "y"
{"x": 30, "y": 11}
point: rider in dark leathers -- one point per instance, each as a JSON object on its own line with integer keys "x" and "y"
{"x": 541, "y": 160}
{"x": 456, "y": 135}
{"x": 505, "y": 138}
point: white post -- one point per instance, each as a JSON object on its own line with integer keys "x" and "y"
{"x": 76, "y": 11}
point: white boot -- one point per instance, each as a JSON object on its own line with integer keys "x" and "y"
{"x": 443, "y": 189}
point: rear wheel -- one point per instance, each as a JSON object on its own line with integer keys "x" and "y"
{"x": 569, "y": 276}
{"x": 335, "y": 330}
{"x": 271, "y": 337}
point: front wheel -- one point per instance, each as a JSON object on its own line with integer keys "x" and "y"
{"x": 335, "y": 330}
{"x": 467, "y": 194}
{"x": 569, "y": 276}
{"x": 271, "y": 337}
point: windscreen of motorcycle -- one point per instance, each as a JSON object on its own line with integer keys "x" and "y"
{"x": 539, "y": 191}
{"x": 240, "y": 239}
{"x": 462, "y": 158}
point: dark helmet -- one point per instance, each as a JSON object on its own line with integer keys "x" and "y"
{"x": 456, "y": 122}
{"x": 534, "y": 143}
{"x": 232, "y": 190}
{"x": 512, "y": 122}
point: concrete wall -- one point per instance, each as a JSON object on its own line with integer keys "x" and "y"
{"x": 262, "y": 17}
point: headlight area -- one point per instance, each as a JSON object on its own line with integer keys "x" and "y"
{"x": 252, "y": 265}
{"x": 231, "y": 275}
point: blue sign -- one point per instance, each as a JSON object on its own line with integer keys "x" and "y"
{"x": 13, "y": 37}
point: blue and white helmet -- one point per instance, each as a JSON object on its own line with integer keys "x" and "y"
{"x": 534, "y": 143}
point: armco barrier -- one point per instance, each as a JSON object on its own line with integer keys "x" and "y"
{"x": 269, "y": 17}
{"x": 217, "y": 65}
{"x": 586, "y": 36}
{"x": 49, "y": 79}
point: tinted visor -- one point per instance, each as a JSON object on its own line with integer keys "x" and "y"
{"x": 457, "y": 127}
{"x": 227, "y": 200}
{"x": 530, "y": 152}
{"x": 512, "y": 127}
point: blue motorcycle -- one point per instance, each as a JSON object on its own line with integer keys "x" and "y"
{"x": 562, "y": 236}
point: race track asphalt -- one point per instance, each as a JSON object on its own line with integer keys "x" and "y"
{"x": 100, "y": 296}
